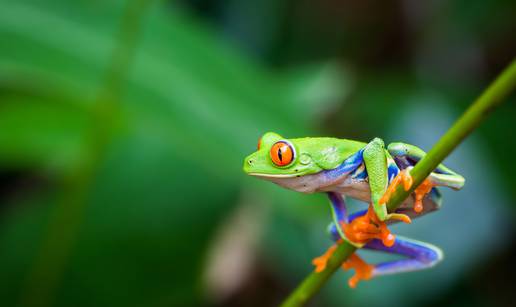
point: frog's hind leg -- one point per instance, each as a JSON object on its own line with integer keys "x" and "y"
{"x": 358, "y": 233}
{"x": 406, "y": 156}
{"x": 419, "y": 255}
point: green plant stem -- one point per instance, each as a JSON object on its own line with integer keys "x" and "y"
{"x": 493, "y": 96}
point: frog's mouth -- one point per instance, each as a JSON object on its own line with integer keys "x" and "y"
{"x": 273, "y": 175}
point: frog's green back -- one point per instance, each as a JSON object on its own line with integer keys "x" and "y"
{"x": 327, "y": 152}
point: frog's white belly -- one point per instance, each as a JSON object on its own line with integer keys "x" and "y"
{"x": 354, "y": 185}
{"x": 348, "y": 184}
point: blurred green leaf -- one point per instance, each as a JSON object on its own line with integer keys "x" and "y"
{"x": 35, "y": 131}
{"x": 191, "y": 109}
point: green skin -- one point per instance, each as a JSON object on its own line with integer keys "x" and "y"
{"x": 315, "y": 155}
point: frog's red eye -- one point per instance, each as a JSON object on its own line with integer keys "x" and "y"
{"x": 259, "y": 143}
{"x": 282, "y": 153}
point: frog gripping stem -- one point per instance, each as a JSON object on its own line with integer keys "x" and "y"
{"x": 404, "y": 178}
{"x": 420, "y": 192}
{"x": 321, "y": 261}
{"x": 367, "y": 227}
{"x": 423, "y": 256}
{"x": 363, "y": 271}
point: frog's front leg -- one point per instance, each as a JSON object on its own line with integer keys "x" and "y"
{"x": 357, "y": 234}
{"x": 375, "y": 159}
{"x": 361, "y": 230}
{"x": 340, "y": 217}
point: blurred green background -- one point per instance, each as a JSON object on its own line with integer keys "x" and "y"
{"x": 124, "y": 124}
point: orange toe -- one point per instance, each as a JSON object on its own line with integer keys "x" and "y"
{"x": 321, "y": 261}
{"x": 420, "y": 192}
{"x": 404, "y": 178}
{"x": 368, "y": 227}
{"x": 386, "y": 236}
{"x": 363, "y": 271}
{"x": 402, "y": 217}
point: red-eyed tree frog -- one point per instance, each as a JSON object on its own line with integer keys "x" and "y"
{"x": 365, "y": 171}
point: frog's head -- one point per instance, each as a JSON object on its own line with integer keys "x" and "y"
{"x": 278, "y": 157}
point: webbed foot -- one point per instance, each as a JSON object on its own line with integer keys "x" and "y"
{"x": 363, "y": 271}
{"x": 404, "y": 178}
{"x": 367, "y": 227}
{"x": 321, "y": 261}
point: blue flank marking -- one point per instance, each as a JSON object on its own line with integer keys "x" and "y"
{"x": 392, "y": 171}
{"x": 353, "y": 163}
{"x": 360, "y": 173}
{"x": 347, "y": 166}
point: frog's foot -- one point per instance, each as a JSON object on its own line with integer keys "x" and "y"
{"x": 363, "y": 271}
{"x": 404, "y": 178}
{"x": 367, "y": 227}
{"x": 321, "y": 261}
{"x": 420, "y": 192}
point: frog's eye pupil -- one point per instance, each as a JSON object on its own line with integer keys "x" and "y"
{"x": 282, "y": 153}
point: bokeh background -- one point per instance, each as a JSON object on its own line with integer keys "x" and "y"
{"x": 124, "y": 124}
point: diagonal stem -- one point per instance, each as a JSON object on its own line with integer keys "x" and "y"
{"x": 493, "y": 96}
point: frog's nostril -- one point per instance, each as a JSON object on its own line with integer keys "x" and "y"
{"x": 250, "y": 161}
